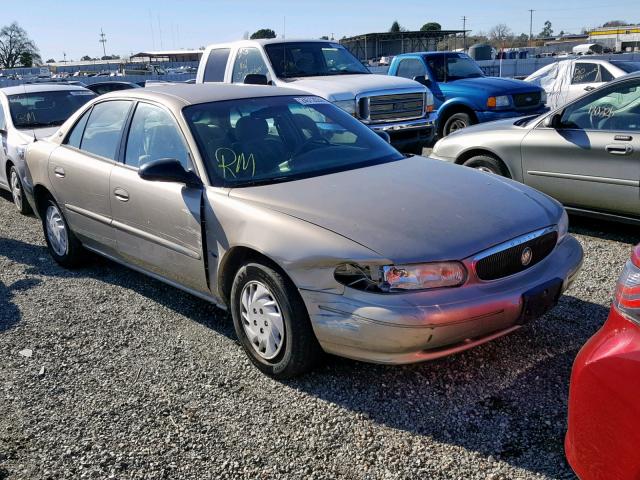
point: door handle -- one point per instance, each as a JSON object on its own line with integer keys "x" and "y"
{"x": 619, "y": 149}
{"x": 121, "y": 194}
{"x": 588, "y": 88}
{"x": 59, "y": 172}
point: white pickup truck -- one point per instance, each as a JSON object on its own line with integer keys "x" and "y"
{"x": 401, "y": 107}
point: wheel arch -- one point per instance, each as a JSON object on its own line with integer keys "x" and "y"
{"x": 468, "y": 154}
{"x": 40, "y": 195}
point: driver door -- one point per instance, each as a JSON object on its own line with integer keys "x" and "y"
{"x": 591, "y": 159}
{"x": 157, "y": 224}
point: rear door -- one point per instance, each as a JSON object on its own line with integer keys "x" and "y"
{"x": 157, "y": 224}
{"x": 79, "y": 171}
{"x": 592, "y": 160}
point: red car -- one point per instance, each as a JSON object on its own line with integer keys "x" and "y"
{"x": 603, "y": 440}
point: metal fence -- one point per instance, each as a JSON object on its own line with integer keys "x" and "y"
{"x": 89, "y": 80}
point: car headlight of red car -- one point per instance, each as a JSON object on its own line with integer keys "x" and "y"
{"x": 398, "y": 278}
{"x": 627, "y": 297}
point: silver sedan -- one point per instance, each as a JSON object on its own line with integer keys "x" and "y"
{"x": 585, "y": 154}
{"x": 313, "y": 231}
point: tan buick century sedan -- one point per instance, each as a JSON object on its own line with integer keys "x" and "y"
{"x": 313, "y": 230}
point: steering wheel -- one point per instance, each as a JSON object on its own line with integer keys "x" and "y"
{"x": 307, "y": 143}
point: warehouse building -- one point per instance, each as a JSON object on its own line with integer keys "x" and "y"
{"x": 619, "y": 39}
{"x": 371, "y": 46}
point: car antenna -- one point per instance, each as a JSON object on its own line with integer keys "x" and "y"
{"x": 33, "y": 130}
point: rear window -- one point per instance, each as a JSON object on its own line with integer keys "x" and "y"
{"x": 628, "y": 67}
{"x": 216, "y": 65}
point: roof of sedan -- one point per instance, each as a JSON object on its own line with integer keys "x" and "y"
{"x": 39, "y": 87}
{"x": 191, "y": 94}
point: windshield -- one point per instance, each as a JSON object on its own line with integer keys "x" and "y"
{"x": 628, "y": 67}
{"x": 452, "y": 66}
{"x": 46, "y": 109}
{"x": 273, "y": 139}
{"x": 312, "y": 59}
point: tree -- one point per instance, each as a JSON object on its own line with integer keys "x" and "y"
{"x": 396, "y": 27}
{"x": 615, "y": 23}
{"x": 263, "y": 33}
{"x": 14, "y": 42}
{"x": 26, "y": 59}
{"x": 86, "y": 58}
{"x": 51, "y": 60}
{"x": 431, "y": 27}
{"x": 547, "y": 31}
{"x": 500, "y": 34}
{"x": 110, "y": 57}
{"x": 324, "y": 37}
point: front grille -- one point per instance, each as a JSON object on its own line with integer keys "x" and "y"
{"x": 526, "y": 100}
{"x": 403, "y": 106}
{"x": 509, "y": 261}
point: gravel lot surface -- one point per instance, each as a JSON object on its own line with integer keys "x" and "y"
{"x": 128, "y": 378}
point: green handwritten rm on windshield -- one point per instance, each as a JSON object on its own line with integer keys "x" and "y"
{"x": 234, "y": 164}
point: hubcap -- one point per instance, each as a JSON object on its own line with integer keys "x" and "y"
{"x": 262, "y": 319}
{"x": 16, "y": 191}
{"x": 457, "y": 125}
{"x": 56, "y": 230}
{"x": 485, "y": 169}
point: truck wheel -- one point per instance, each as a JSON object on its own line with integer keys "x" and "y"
{"x": 455, "y": 122}
{"x": 64, "y": 246}
{"x": 272, "y": 323}
{"x": 17, "y": 192}
{"x": 488, "y": 164}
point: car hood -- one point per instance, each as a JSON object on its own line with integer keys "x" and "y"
{"x": 28, "y": 134}
{"x": 346, "y": 87}
{"x": 493, "y": 86}
{"x": 412, "y": 210}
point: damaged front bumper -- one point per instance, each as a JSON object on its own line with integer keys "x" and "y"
{"x": 413, "y": 327}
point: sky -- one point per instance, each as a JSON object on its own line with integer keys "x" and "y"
{"x": 131, "y": 26}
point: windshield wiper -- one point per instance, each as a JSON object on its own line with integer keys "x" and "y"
{"x": 40, "y": 124}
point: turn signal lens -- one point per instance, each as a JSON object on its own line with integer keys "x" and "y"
{"x": 627, "y": 297}
{"x": 491, "y": 102}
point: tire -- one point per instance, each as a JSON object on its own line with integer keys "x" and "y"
{"x": 17, "y": 192}
{"x": 63, "y": 245}
{"x": 272, "y": 323}
{"x": 455, "y": 122}
{"x": 487, "y": 164}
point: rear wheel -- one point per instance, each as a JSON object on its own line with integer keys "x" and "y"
{"x": 487, "y": 164}
{"x": 17, "y": 192}
{"x": 272, "y": 323}
{"x": 456, "y": 122}
{"x": 63, "y": 245}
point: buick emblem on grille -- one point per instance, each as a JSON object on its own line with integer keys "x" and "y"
{"x": 527, "y": 255}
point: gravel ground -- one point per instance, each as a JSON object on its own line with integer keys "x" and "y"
{"x": 129, "y": 378}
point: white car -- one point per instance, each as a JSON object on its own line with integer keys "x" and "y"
{"x": 567, "y": 80}
{"x": 29, "y": 113}
{"x": 400, "y": 107}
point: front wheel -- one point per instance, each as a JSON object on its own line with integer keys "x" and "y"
{"x": 63, "y": 245}
{"x": 272, "y": 323}
{"x": 456, "y": 122}
{"x": 487, "y": 164}
{"x": 17, "y": 192}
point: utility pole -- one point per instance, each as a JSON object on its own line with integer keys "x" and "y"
{"x": 103, "y": 41}
{"x": 531, "y": 27}
{"x": 464, "y": 34}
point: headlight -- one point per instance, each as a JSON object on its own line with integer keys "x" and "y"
{"x": 398, "y": 278}
{"x": 563, "y": 226}
{"x": 543, "y": 98}
{"x": 497, "y": 102}
{"x": 348, "y": 106}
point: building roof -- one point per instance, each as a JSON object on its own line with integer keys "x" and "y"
{"x": 167, "y": 53}
{"x": 408, "y": 34}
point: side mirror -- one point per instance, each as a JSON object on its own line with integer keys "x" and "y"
{"x": 423, "y": 80}
{"x": 168, "y": 170}
{"x": 383, "y": 135}
{"x": 553, "y": 121}
{"x": 256, "y": 79}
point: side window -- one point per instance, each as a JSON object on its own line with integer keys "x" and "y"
{"x": 248, "y": 61}
{"x": 411, "y": 68}
{"x": 615, "y": 108}
{"x": 585, "y": 73}
{"x": 605, "y": 75}
{"x": 437, "y": 67}
{"x": 75, "y": 137}
{"x": 153, "y": 135}
{"x": 104, "y": 128}
{"x": 216, "y": 65}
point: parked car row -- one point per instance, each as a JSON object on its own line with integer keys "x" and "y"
{"x": 270, "y": 188}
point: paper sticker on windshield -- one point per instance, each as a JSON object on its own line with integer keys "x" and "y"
{"x": 81, "y": 92}
{"x": 310, "y": 100}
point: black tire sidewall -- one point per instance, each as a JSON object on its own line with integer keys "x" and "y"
{"x": 295, "y": 318}
{"x": 465, "y": 117}
{"x": 487, "y": 162}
